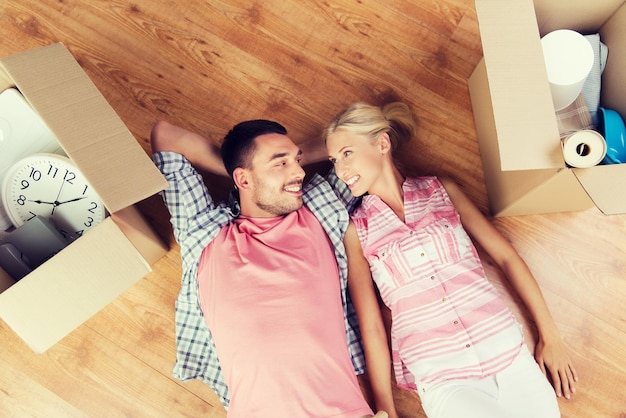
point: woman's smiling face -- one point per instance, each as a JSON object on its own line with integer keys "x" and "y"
{"x": 357, "y": 159}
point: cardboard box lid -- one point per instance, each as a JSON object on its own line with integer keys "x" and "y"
{"x": 528, "y": 136}
{"x": 605, "y": 186}
{"x": 87, "y": 127}
{"x": 71, "y": 287}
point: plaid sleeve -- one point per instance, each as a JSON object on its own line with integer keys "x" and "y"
{"x": 186, "y": 196}
{"x": 196, "y": 221}
{"x": 342, "y": 191}
{"x": 323, "y": 201}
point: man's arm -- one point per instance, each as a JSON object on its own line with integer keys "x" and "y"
{"x": 200, "y": 152}
{"x": 191, "y": 207}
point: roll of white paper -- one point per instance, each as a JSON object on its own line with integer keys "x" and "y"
{"x": 569, "y": 59}
{"x": 584, "y": 149}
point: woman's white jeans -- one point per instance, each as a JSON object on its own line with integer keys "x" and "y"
{"x": 519, "y": 391}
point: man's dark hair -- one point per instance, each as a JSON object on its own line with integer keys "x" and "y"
{"x": 238, "y": 144}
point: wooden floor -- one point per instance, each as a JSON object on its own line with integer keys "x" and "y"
{"x": 208, "y": 64}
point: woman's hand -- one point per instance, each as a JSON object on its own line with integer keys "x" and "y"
{"x": 555, "y": 364}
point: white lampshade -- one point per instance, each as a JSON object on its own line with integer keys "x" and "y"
{"x": 569, "y": 58}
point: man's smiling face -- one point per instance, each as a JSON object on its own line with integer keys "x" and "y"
{"x": 275, "y": 177}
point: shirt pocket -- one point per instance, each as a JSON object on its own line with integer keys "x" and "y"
{"x": 445, "y": 241}
{"x": 400, "y": 262}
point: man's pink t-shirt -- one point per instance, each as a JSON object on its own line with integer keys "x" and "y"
{"x": 270, "y": 293}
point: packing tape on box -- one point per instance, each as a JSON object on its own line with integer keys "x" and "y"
{"x": 585, "y": 148}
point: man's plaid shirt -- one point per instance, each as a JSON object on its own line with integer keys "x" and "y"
{"x": 197, "y": 220}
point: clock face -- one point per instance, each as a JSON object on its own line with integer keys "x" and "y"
{"x": 51, "y": 186}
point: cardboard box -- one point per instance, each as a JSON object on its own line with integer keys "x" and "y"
{"x": 65, "y": 291}
{"x": 525, "y": 172}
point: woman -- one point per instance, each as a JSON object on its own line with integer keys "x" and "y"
{"x": 453, "y": 339}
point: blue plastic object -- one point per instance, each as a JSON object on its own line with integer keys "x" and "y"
{"x": 611, "y": 127}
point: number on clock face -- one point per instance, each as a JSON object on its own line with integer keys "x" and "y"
{"x": 52, "y": 187}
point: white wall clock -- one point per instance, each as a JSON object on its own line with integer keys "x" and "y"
{"x": 51, "y": 186}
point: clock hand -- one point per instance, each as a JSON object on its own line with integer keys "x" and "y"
{"x": 42, "y": 202}
{"x": 56, "y": 201}
{"x": 68, "y": 201}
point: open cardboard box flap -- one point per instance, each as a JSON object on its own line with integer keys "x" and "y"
{"x": 528, "y": 136}
{"x": 515, "y": 118}
{"x": 65, "y": 291}
{"x": 87, "y": 127}
{"x": 605, "y": 186}
{"x": 72, "y": 286}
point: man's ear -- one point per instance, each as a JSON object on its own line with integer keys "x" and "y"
{"x": 240, "y": 177}
{"x": 384, "y": 143}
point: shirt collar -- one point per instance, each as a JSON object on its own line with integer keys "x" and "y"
{"x": 233, "y": 203}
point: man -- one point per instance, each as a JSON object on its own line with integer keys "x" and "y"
{"x": 263, "y": 315}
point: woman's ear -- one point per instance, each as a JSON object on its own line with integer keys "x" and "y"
{"x": 384, "y": 143}
{"x": 240, "y": 177}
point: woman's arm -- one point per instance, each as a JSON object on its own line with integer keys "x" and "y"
{"x": 200, "y": 152}
{"x": 550, "y": 352}
{"x": 363, "y": 294}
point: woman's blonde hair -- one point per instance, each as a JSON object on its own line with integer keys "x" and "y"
{"x": 394, "y": 118}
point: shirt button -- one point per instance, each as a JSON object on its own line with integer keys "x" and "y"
{"x": 456, "y": 322}
{"x": 432, "y": 277}
{"x": 443, "y": 299}
{"x": 422, "y": 254}
{"x": 467, "y": 346}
